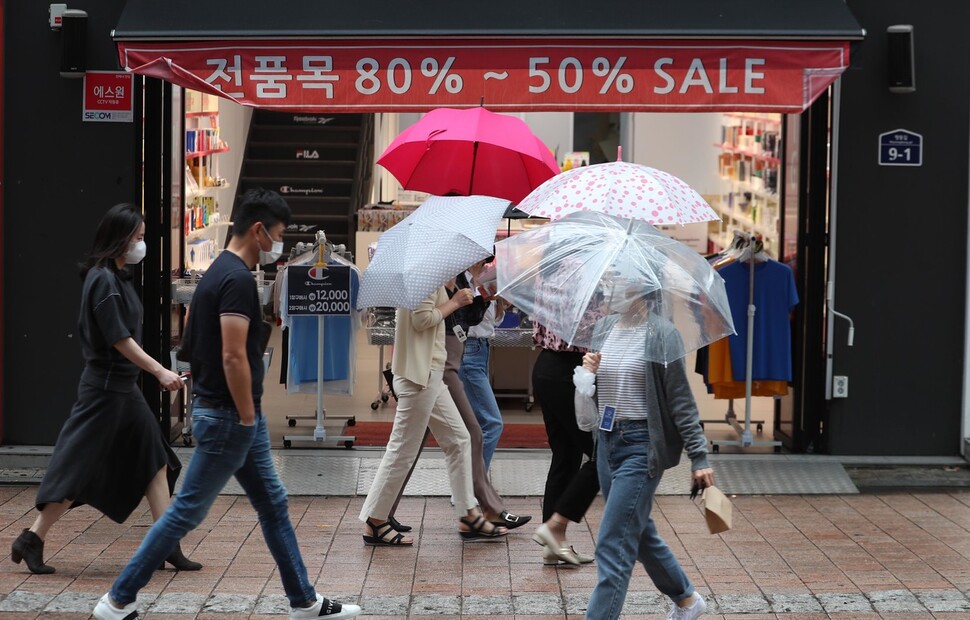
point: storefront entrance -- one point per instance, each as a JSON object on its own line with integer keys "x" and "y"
{"x": 716, "y": 69}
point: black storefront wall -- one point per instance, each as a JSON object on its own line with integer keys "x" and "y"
{"x": 902, "y": 240}
{"x": 60, "y": 176}
{"x": 657, "y": 18}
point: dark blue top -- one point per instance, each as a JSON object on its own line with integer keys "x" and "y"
{"x": 227, "y": 288}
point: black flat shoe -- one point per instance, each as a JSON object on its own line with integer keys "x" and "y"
{"x": 397, "y": 525}
{"x": 30, "y": 547}
{"x": 178, "y": 560}
{"x": 511, "y": 521}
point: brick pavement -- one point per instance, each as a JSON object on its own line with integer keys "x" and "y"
{"x": 894, "y": 556}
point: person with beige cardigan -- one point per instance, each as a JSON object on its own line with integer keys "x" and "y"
{"x": 423, "y": 402}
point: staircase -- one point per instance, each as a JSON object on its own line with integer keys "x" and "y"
{"x": 320, "y": 163}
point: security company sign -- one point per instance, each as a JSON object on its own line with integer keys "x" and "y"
{"x": 900, "y": 147}
{"x": 320, "y": 291}
{"x": 108, "y": 97}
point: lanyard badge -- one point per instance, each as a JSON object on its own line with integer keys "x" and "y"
{"x": 609, "y": 416}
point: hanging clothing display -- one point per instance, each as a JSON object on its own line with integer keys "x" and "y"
{"x": 774, "y": 298}
{"x": 340, "y": 338}
{"x": 723, "y": 363}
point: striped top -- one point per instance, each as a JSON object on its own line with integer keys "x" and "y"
{"x": 621, "y": 379}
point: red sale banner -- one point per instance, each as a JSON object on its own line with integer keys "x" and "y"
{"x": 514, "y": 75}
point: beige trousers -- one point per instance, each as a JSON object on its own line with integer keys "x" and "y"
{"x": 417, "y": 409}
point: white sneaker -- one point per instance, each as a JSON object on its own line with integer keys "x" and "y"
{"x": 688, "y": 613}
{"x": 325, "y": 608}
{"x": 104, "y": 610}
{"x": 692, "y": 612}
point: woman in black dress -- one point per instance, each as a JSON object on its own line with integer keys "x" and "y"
{"x": 110, "y": 452}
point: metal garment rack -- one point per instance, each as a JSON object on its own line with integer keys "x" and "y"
{"x": 319, "y": 435}
{"x": 745, "y": 439}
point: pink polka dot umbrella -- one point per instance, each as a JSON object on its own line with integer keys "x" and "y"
{"x": 620, "y": 189}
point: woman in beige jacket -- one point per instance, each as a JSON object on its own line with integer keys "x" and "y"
{"x": 423, "y": 402}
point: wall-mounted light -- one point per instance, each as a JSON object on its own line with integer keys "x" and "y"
{"x": 902, "y": 59}
{"x": 73, "y": 25}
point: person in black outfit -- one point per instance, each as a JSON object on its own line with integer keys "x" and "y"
{"x": 110, "y": 452}
{"x": 224, "y": 335}
{"x": 571, "y": 486}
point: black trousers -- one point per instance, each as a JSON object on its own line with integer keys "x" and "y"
{"x": 570, "y": 486}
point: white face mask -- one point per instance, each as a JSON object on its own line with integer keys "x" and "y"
{"x": 621, "y": 298}
{"x": 136, "y": 253}
{"x": 273, "y": 255}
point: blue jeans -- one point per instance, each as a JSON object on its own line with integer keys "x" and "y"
{"x": 627, "y": 532}
{"x": 478, "y": 389}
{"x": 224, "y": 448}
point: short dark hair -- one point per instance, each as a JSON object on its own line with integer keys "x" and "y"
{"x": 112, "y": 237}
{"x": 259, "y": 205}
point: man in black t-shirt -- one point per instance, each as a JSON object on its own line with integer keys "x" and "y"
{"x": 225, "y": 349}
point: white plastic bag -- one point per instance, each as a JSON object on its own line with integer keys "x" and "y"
{"x": 587, "y": 413}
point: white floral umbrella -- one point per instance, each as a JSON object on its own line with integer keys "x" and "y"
{"x": 621, "y": 189}
{"x": 442, "y": 238}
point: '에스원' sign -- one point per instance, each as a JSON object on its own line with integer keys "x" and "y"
{"x": 108, "y": 97}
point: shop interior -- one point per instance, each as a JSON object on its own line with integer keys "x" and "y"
{"x": 737, "y": 162}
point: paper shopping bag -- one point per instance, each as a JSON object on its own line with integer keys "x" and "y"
{"x": 717, "y": 510}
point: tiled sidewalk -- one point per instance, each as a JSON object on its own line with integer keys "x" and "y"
{"x": 898, "y": 556}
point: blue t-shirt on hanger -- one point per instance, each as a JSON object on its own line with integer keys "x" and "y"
{"x": 774, "y": 298}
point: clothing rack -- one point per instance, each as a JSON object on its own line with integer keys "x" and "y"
{"x": 751, "y": 250}
{"x": 324, "y": 249}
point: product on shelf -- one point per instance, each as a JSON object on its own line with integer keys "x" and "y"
{"x": 749, "y": 161}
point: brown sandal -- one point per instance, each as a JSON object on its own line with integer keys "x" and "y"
{"x": 477, "y": 531}
{"x": 384, "y": 535}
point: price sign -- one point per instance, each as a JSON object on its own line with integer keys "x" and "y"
{"x": 318, "y": 291}
{"x": 900, "y": 148}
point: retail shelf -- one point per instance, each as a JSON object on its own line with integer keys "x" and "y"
{"x": 195, "y": 190}
{"x": 754, "y": 117}
{"x": 210, "y": 114}
{"x": 747, "y": 187}
{"x": 205, "y": 230}
{"x": 184, "y": 288}
{"x": 745, "y": 220}
{"x": 197, "y": 154}
{"x": 733, "y": 149}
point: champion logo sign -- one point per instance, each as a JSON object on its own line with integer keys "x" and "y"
{"x": 318, "y": 273}
{"x": 306, "y": 191}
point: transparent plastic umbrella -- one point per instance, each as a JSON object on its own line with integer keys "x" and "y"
{"x": 588, "y": 273}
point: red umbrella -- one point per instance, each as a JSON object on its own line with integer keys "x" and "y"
{"x": 469, "y": 152}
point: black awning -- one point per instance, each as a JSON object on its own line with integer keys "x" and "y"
{"x": 144, "y": 20}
